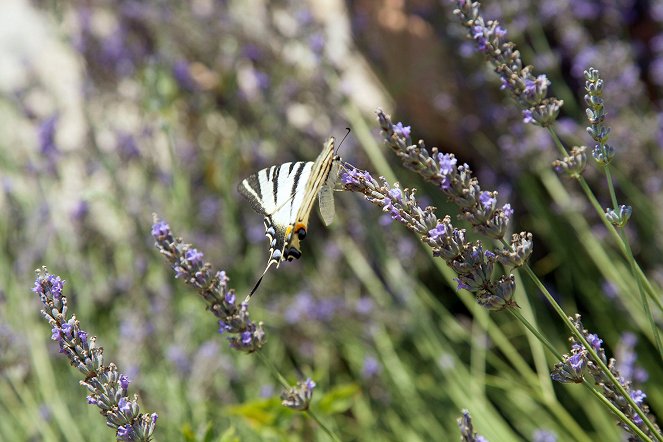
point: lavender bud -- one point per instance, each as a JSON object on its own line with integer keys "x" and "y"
{"x": 619, "y": 219}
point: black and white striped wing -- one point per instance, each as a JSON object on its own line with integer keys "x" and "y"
{"x": 277, "y": 193}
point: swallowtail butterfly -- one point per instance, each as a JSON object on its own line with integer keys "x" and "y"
{"x": 285, "y": 194}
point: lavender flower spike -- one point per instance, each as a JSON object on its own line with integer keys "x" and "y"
{"x": 298, "y": 397}
{"x": 477, "y": 206}
{"x": 579, "y": 363}
{"x": 107, "y": 388}
{"x": 473, "y": 265}
{"x": 188, "y": 264}
{"x": 527, "y": 90}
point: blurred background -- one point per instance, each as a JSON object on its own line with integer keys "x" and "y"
{"x": 113, "y": 110}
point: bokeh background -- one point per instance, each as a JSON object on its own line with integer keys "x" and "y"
{"x": 111, "y": 111}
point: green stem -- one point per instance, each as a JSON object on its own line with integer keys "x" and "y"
{"x": 643, "y": 296}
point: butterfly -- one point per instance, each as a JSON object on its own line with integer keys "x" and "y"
{"x": 285, "y": 195}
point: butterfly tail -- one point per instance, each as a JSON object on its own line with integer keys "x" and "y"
{"x": 255, "y": 287}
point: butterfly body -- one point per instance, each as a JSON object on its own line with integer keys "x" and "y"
{"x": 285, "y": 195}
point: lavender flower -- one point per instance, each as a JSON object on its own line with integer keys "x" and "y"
{"x": 467, "y": 433}
{"x": 298, "y": 397}
{"x": 574, "y": 164}
{"x": 478, "y": 207}
{"x": 188, "y": 264}
{"x": 603, "y": 153}
{"x": 107, "y": 388}
{"x": 472, "y": 264}
{"x": 579, "y": 363}
{"x": 527, "y": 90}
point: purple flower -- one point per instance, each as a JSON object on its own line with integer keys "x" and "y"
{"x": 447, "y": 163}
{"x": 67, "y": 329}
{"x": 507, "y": 210}
{"x": 638, "y": 396}
{"x": 577, "y": 362}
{"x": 124, "y": 382}
{"x": 160, "y": 230}
{"x": 223, "y": 327}
{"x": 527, "y": 116}
{"x": 124, "y": 432}
{"x": 82, "y": 335}
{"x": 594, "y": 341}
{"x": 354, "y": 176}
{"x": 230, "y": 297}
{"x": 462, "y": 285}
{"x": 487, "y": 201}
{"x": 56, "y": 286}
{"x": 402, "y": 130}
{"x": 395, "y": 194}
{"x": 246, "y": 337}
{"x": 56, "y": 333}
{"x": 194, "y": 257}
{"x": 124, "y": 405}
{"x": 439, "y": 230}
{"x": 91, "y": 400}
{"x": 310, "y": 385}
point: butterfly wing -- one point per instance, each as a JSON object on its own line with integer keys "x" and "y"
{"x": 326, "y": 194}
{"x": 276, "y": 193}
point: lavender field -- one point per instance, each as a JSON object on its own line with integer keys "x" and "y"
{"x": 494, "y": 271}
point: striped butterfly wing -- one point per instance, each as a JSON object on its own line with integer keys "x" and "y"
{"x": 276, "y": 193}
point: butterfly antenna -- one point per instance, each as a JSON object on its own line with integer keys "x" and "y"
{"x": 344, "y": 137}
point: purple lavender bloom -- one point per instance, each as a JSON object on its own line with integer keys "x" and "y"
{"x": 527, "y": 116}
{"x": 82, "y": 335}
{"x": 462, "y": 285}
{"x": 396, "y": 194}
{"x": 56, "y": 334}
{"x": 67, "y": 329}
{"x": 638, "y": 396}
{"x": 160, "y": 230}
{"x": 124, "y": 432}
{"x": 594, "y": 341}
{"x": 124, "y": 405}
{"x": 507, "y": 210}
{"x": 353, "y": 176}
{"x": 230, "y": 297}
{"x": 194, "y": 257}
{"x": 124, "y": 382}
{"x": 487, "y": 201}
{"x": 439, "y": 230}
{"x": 447, "y": 163}
{"x": 402, "y": 130}
{"x": 577, "y": 362}
{"x": 246, "y": 337}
